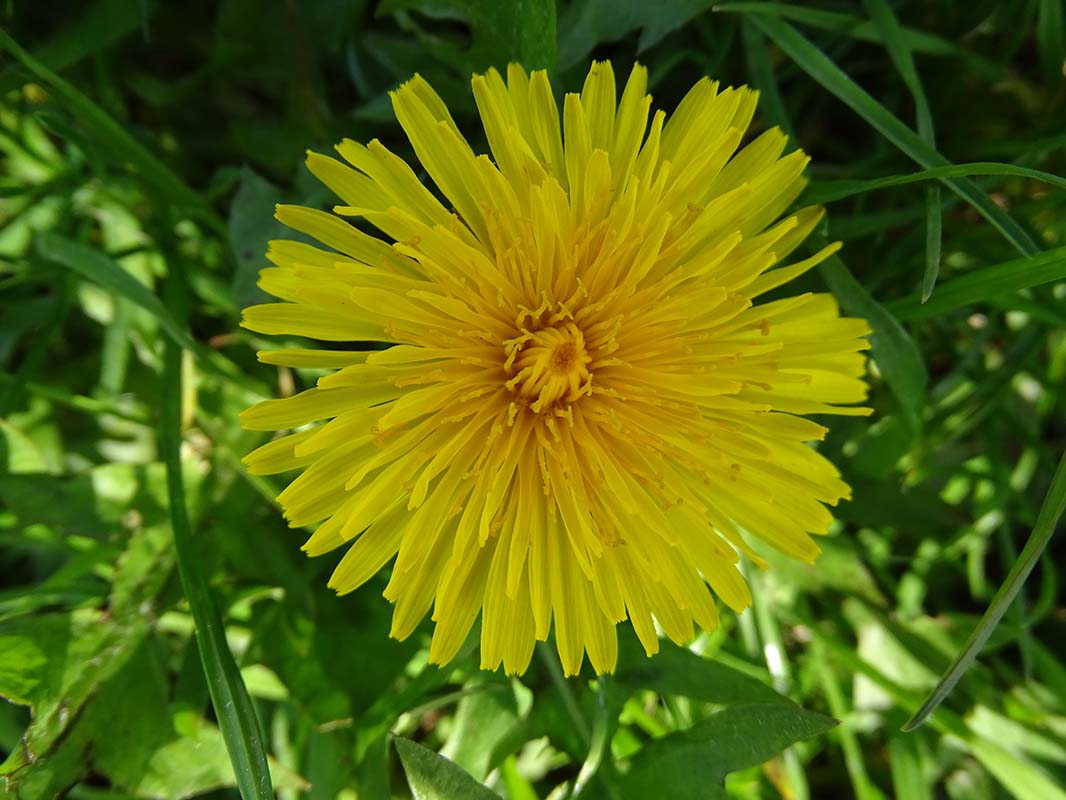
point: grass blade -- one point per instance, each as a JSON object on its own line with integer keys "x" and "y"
{"x": 862, "y": 29}
{"x": 1046, "y": 521}
{"x": 103, "y": 24}
{"x": 933, "y": 240}
{"x": 761, "y": 70}
{"x": 114, "y": 137}
{"x": 1051, "y": 38}
{"x": 884, "y": 19}
{"x": 822, "y": 192}
{"x": 233, "y": 708}
{"x": 816, "y": 64}
{"x": 987, "y": 284}
{"x": 106, "y": 272}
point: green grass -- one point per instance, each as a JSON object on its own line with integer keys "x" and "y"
{"x": 161, "y": 634}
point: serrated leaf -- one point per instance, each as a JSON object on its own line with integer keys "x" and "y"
{"x": 693, "y": 763}
{"x": 433, "y": 777}
{"x": 677, "y": 671}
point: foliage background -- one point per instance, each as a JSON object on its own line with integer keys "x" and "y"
{"x": 143, "y": 147}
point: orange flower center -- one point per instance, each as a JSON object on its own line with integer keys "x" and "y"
{"x": 548, "y": 367}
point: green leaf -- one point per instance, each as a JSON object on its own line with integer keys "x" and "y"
{"x": 815, "y": 63}
{"x": 906, "y": 760}
{"x": 482, "y": 718}
{"x": 864, "y": 30}
{"x": 893, "y": 349}
{"x": 21, "y": 660}
{"x": 522, "y": 31}
{"x": 155, "y": 749}
{"x": 899, "y": 51}
{"x": 678, "y": 671}
{"x": 104, "y": 23}
{"x": 822, "y": 192}
{"x": 106, "y": 272}
{"x": 986, "y": 284}
{"x": 109, "y": 274}
{"x": 587, "y": 24}
{"x": 694, "y": 762}
{"x": 112, "y": 135}
{"x": 69, "y": 656}
{"x": 1051, "y": 39}
{"x": 251, "y": 227}
{"x": 433, "y": 777}
{"x": 233, "y": 707}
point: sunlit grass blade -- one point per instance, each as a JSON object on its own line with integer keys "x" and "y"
{"x": 1047, "y": 520}
{"x": 599, "y": 739}
{"x": 849, "y": 741}
{"x": 104, "y": 271}
{"x": 987, "y": 284}
{"x": 822, "y": 192}
{"x": 816, "y": 64}
{"x": 113, "y": 136}
{"x": 233, "y": 707}
{"x": 894, "y": 350}
{"x": 884, "y": 19}
{"x": 107, "y": 273}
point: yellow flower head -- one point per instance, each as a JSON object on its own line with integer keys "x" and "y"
{"x": 582, "y": 412}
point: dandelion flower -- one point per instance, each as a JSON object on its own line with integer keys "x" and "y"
{"x": 584, "y": 414}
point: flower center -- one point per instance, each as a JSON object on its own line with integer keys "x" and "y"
{"x": 548, "y": 366}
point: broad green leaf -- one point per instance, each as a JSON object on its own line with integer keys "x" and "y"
{"x": 694, "y": 762}
{"x": 154, "y": 749}
{"x": 678, "y": 671}
{"x": 81, "y": 651}
{"x": 482, "y": 718}
{"x": 818, "y": 65}
{"x": 986, "y": 284}
{"x": 502, "y": 32}
{"x": 433, "y": 777}
{"x": 251, "y": 227}
{"x": 21, "y": 662}
{"x": 896, "y": 354}
{"x": 585, "y": 25}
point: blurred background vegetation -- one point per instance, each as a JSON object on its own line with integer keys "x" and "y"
{"x": 144, "y": 145}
